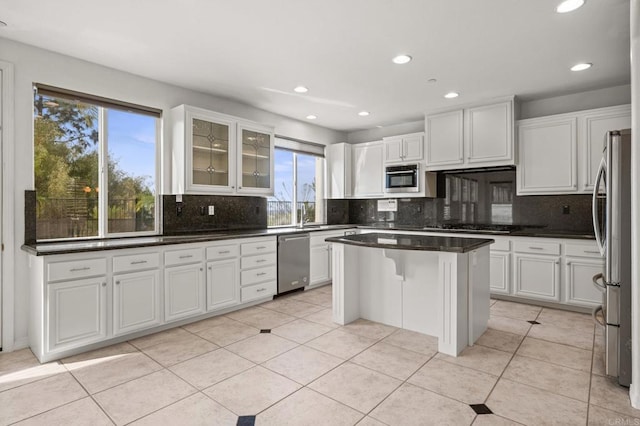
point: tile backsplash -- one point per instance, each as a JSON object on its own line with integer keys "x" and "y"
{"x": 230, "y": 213}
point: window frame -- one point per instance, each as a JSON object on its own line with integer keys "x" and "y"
{"x": 103, "y": 104}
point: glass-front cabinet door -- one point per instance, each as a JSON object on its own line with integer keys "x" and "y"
{"x": 255, "y": 159}
{"x": 212, "y": 144}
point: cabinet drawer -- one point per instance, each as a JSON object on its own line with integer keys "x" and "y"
{"x": 537, "y": 247}
{"x": 264, "y": 246}
{"x": 222, "y": 252}
{"x": 584, "y": 250}
{"x": 135, "y": 262}
{"x": 258, "y": 291}
{"x": 74, "y": 269}
{"x": 179, "y": 257}
{"x": 253, "y": 276}
{"x": 267, "y": 259}
{"x": 502, "y": 245}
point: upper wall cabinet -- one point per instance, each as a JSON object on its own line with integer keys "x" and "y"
{"x": 560, "y": 154}
{"x": 479, "y": 136}
{"x": 215, "y": 153}
{"x": 368, "y": 169}
{"x": 338, "y": 174}
{"x": 404, "y": 148}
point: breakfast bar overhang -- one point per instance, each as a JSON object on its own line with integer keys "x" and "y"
{"x": 434, "y": 285}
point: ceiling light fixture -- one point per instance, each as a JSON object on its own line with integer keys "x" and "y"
{"x": 581, "y": 67}
{"x": 300, "y": 89}
{"x": 363, "y": 113}
{"x": 569, "y": 6}
{"x": 401, "y": 59}
{"x": 451, "y": 95}
{"x": 311, "y": 117}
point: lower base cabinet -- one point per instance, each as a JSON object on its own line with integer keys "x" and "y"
{"x": 500, "y": 266}
{"x": 320, "y": 264}
{"x": 223, "y": 286}
{"x": 77, "y": 313}
{"x": 183, "y": 291}
{"x": 136, "y": 301}
{"x": 537, "y": 277}
{"x": 578, "y": 278}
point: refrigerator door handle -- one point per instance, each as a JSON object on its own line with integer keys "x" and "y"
{"x": 601, "y": 287}
{"x": 595, "y": 316}
{"x": 594, "y": 207}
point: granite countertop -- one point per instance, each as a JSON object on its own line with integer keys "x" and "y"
{"x": 413, "y": 242}
{"x": 80, "y": 246}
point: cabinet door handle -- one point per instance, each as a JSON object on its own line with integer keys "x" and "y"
{"x": 138, "y": 262}
{"x": 536, "y": 248}
{"x": 260, "y": 248}
{"x": 592, "y": 251}
{"x": 261, "y": 260}
{"x": 224, "y": 252}
{"x": 186, "y": 256}
{"x": 259, "y": 274}
{"x": 86, "y": 268}
{"x": 260, "y": 289}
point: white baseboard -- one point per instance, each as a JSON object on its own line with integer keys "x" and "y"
{"x": 634, "y": 395}
{"x": 20, "y": 343}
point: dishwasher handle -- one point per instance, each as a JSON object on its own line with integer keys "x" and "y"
{"x": 293, "y": 238}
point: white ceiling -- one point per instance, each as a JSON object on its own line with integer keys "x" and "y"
{"x": 257, "y": 51}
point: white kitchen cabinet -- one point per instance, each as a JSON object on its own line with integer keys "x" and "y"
{"x": 500, "y": 267}
{"x": 136, "y": 301}
{"x": 255, "y": 159}
{"x": 368, "y": 169}
{"x": 214, "y": 153}
{"x": 258, "y": 270}
{"x": 76, "y": 313}
{"x": 537, "y": 276}
{"x": 223, "y": 287}
{"x": 548, "y": 161}
{"x": 184, "y": 283}
{"x": 320, "y": 264}
{"x": 594, "y": 125}
{"x": 579, "y": 288}
{"x": 338, "y": 174}
{"x": 404, "y": 148}
{"x": 445, "y": 140}
{"x": 476, "y": 136}
{"x": 489, "y": 135}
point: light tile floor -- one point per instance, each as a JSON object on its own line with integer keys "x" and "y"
{"x": 310, "y": 371}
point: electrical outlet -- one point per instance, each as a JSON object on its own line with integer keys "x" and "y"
{"x": 202, "y": 210}
{"x": 566, "y": 210}
{"x": 211, "y": 211}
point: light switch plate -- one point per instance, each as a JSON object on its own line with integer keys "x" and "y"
{"x": 211, "y": 211}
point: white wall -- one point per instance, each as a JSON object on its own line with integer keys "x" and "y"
{"x": 634, "y": 391}
{"x": 36, "y": 65}
{"x": 370, "y": 135}
{"x": 610, "y": 96}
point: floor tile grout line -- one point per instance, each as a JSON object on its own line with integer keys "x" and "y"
{"x": 593, "y": 355}
{"x": 91, "y": 396}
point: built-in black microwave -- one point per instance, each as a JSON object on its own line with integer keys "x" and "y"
{"x": 404, "y": 178}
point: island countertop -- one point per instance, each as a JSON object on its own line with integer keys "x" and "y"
{"x": 413, "y": 242}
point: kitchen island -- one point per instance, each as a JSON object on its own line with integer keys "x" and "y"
{"x": 438, "y": 286}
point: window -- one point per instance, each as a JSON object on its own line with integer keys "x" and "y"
{"x": 298, "y": 182}
{"x": 94, "y": 166}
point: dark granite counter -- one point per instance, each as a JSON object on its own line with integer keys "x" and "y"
{"x": 80, "y": 246}
{"x": 413, "y": 242}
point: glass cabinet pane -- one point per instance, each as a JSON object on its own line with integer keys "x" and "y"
{"x": 210, "y": 153}
{"x": 256, "y": 159}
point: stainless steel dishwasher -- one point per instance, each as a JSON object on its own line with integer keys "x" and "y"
{"x": 293, "y": 262}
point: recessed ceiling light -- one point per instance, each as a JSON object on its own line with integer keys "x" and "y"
{"x": 300, "y": 89}
{"x": 569, "y": 6}
{"x": 378, "y": 127}
{"x": 401, "y": 59}
{"x": 363, "y": 113}
{"x": 581, "y": 67}
{"x": 451, "y": 95}
{"x": 311, "y": 117}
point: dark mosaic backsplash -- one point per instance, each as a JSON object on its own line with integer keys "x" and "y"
{"x": 495, "y": 202}
{"x": 230, "y": 213}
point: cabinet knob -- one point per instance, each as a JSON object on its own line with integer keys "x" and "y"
{"x": 117, "y": 282}
{"x": 210, "y": 268}
{"x": 104, "y": 284}
{"x": 201, "y": 269}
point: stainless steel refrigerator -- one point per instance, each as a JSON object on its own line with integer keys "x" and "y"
{"x": 612, "y": 226}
